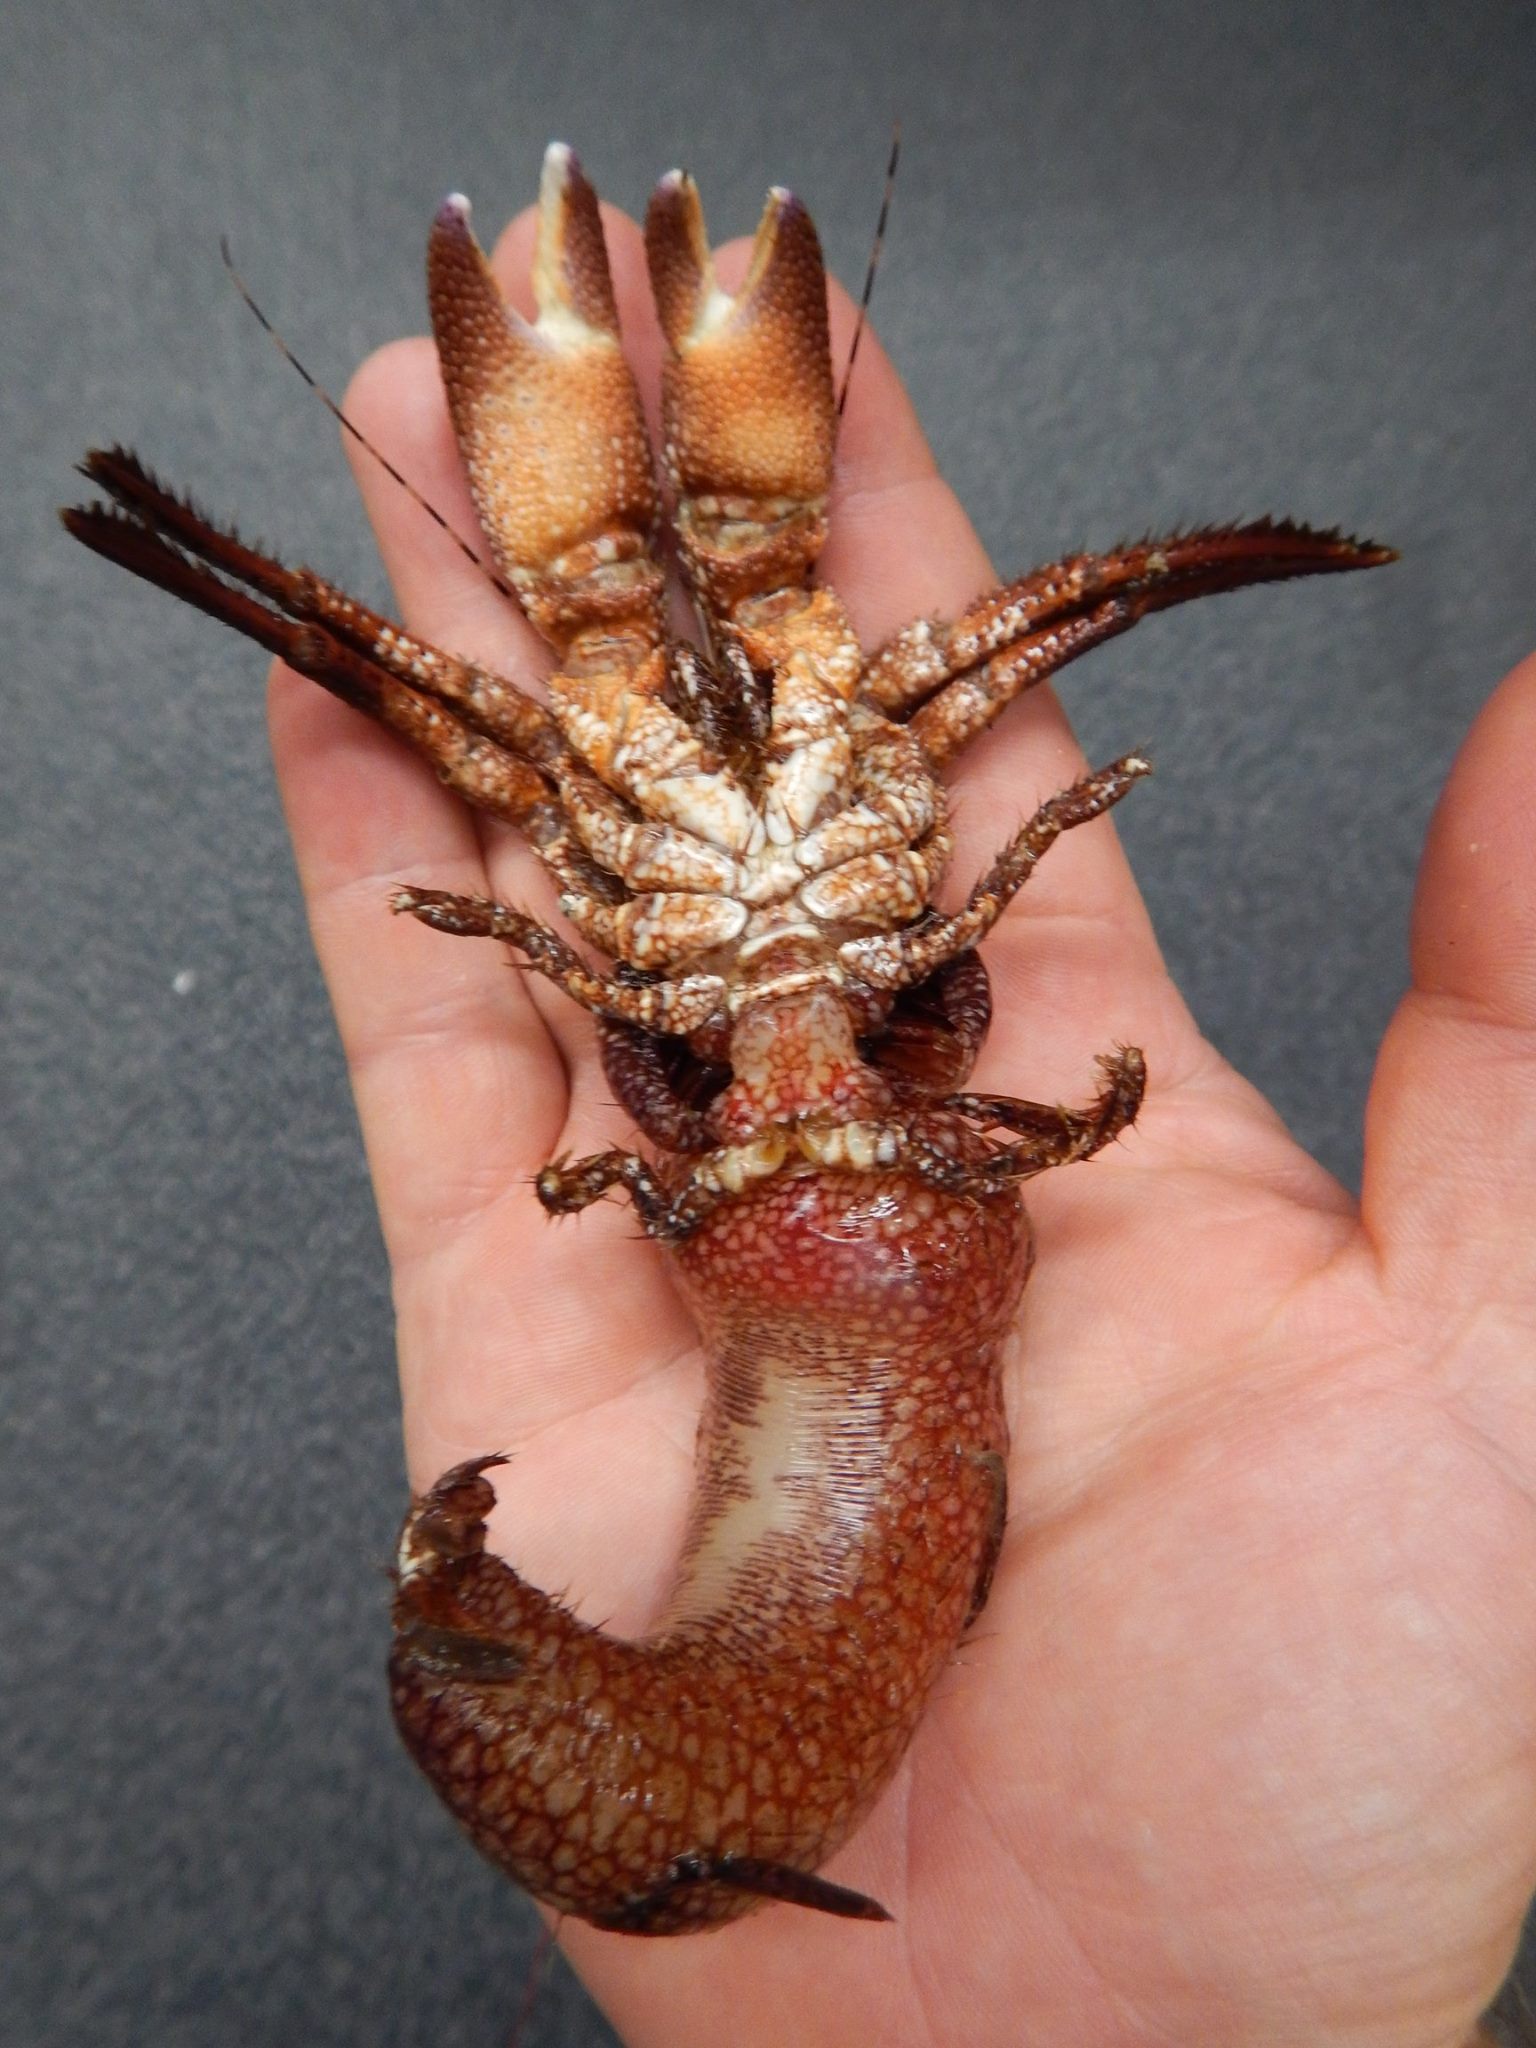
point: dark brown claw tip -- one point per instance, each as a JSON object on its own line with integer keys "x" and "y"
{"x": 449, "y": 1518}
{"x": 791, "y": 1887}
{"x": 463, "y": 1478}
{"x": 653, "y": 1912}
{"x": 486, "y": 1462}
{"x": 677, "y": 250}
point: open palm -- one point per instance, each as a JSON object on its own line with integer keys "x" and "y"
{"x": 1244, "y": 1748}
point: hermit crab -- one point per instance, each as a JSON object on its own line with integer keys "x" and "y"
{"x": 750, "y": 821}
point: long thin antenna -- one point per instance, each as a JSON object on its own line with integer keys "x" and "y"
{"x": 874, "y": 262}
{"x": 357, "y": 434}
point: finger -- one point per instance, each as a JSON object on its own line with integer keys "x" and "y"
{"x": 1075, "y": 960}
{"x": 1450, "y": 1166}
{"x": 459, "y": 1087}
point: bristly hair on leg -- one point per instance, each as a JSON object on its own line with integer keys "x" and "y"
{"x": 874, "y": 264}
{"x": 349, "y": 427}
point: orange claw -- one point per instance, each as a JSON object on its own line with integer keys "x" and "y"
{"x": 548, "y": 419}
{"x": 749, "y": 414}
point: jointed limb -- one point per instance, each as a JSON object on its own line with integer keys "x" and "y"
{"x": 1051, "y": 1135}
{"x": 971, "y": 702}
{"x": 490, "y": 704}
{"x": 898, "y": 959}
{"x": 930, "y": 662}
{"x": 673, "y": 1007}
{"x": 478, "y": 731}
{"x": 567, "y": 1186}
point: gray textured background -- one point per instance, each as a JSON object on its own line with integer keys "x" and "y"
{"x": 1149, "y": 263}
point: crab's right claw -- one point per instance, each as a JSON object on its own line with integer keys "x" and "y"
{"x": 749, "y": 414}
{"x": 548, "y": 419}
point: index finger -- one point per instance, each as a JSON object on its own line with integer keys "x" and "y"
{"x": 1076, "y": 953}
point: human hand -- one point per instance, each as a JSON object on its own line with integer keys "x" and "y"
{"x": 1241, "y": 1751}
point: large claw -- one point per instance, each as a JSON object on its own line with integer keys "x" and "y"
{"x": 748, "y": 407}
{"x": 548, "y": 419}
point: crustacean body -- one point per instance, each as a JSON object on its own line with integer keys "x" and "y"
{"x": 754, "y": 829}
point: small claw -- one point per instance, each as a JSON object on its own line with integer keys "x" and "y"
{"x": 448, "y": 1520}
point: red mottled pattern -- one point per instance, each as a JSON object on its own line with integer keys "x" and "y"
{"x": 765, "y": 1712}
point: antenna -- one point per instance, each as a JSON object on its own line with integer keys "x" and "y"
{"x": 357, "y": 434}
{"x": 874, "y": 263}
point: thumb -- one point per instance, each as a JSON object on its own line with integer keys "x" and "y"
{"x": 1449, "y": 1193}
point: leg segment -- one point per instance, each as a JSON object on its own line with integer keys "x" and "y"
{"x": 662, "y": 1085}
{"x": 1051, "y": 1135}
{"x": 922, "y": 657}
{"x": 935, "y": 1030}
{"x": 663, "y": 1006}
{"x": 898, "y": 959}
{"x": 973, "y": 701}
{"x": 490, "y": 704}
{"x": 566, "y": 1186}
{"x": 489, "y": 743}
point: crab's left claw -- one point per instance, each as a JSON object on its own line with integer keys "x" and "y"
{"x": 548, "y": 419}
{"x": 748, "y": 409}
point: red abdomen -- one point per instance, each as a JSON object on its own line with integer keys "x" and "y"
{"x": 848, "y": 1505}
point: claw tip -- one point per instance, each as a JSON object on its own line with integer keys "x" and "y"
{"x": 561, "y": 168}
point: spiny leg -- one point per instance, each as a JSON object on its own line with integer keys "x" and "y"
{"x": 934, "y": 1030}
{"x": 972, "y": 701}
{"x": 488, "y": 742}
{"x": 493, "y": 705}
{"x": 567, "y": 1186}
{"x": 898, "y": 959}
{"x": 1051, "y": 1134}
{"x": 662, "y": 1084}
{"x": 975, "y": 698}
{"x": 484, "y": 773}
{"x": 664, "y": 1006}
{"x": 925, "y": 656}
